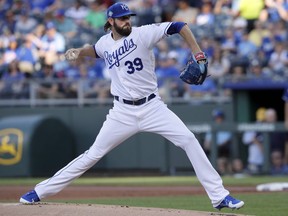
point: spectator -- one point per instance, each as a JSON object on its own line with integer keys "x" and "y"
{"x": 168, "y": 10}
{"x": 226, "y": 7}
{"x": 72, "y": 71}
{"x": 93, "y": 84}
{"x": 245, "y": 52}
{"x": 52, "y": 40}
{"x": 255, "y": 71}
{"x": 219, "y": 65}
{"x": 12, "y": 84}
{"x": 161, "y": 50}
{"x": 238, "y": 73}
{"x": 96, "y": 17}
{"x": 48, "y": 86}
{"x": 268, "y": 43}
{"x": 254, "y": 140}
{"x": 258, "y": 34}
{"x": 64, "y": 25}
{"x": 223, "y": 166}
{"x": 10, "y": 22}
{"x": 238, "y": 168}
{"x": 18, "y": 6}
{"x": 228, "y": 43}
{"x": 24, "y": 23}
{"x": 39, "y": 7}
{"x": 98, "y": 83}
{"x": 99, "y": 89}
{"x": 85, "y": 78}
{"x": 168, "y": 76}
{"x": 278, "y": 167}
{"x": 207, "y": 90}
{"x": 279, "y": 59}
{"x": 39, "y": 31}
{"x": 10, "y": 54}
{"x": 209, "y": 45}
{"x": 239, "y": 28}
{"x": 77, "y": 12}
{"x": 95, "y": 69}
{"x": 206, "y": 17}
{"x": 73, "y": 75}
{"x": 279, "y": 30}
{"x": 224, "y": 16}
{"x": 4, "y": 7}
{"x": 274, "y": 11}
{"x": 250, "y": 10}
{"x": 51, "y": 43}
{"x": 246, "y": 49}
{"x": 185, "y": 13}
{"x": 27, "y": 54}
{"x": 182, "y": 55}
{"x": 263, "y": 59}
{"x": 278, "y": 139}
{"x": 223, "y": 141}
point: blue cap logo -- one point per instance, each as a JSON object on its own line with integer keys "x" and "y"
{"x": 119, "y": 10}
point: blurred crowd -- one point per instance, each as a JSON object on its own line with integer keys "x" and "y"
{"x": 252, "y": 160}
{"x": 243, "y": 40}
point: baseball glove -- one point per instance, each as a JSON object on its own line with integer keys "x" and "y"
{"x": 196, "y": 69}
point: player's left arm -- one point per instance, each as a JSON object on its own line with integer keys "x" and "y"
{"x": 185, "y": 32}
{"x": 196, "y": 68}
{"x": 188, "y": 36}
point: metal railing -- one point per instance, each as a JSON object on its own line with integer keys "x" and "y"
{"x": 33, "y": 98}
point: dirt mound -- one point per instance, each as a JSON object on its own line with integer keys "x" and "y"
{"x": 52, "y": 209}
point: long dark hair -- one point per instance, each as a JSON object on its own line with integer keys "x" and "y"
{"x": 107, "y": 26}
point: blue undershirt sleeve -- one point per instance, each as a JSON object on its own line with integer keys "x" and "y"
{"x": 175, "y": 27}
{"x": 97, "y": 56}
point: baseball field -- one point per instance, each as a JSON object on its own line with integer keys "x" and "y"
{"x": 139, "y": 196}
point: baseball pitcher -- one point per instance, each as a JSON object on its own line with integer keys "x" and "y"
{"x": 137, "y": 106}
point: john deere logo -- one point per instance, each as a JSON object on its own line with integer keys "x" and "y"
{"x": 11, "y": 144}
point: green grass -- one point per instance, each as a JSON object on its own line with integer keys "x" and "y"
{"x": 258, "y": 203}
{"x": 262, "y": 204}
{"x": 149, "y": 181}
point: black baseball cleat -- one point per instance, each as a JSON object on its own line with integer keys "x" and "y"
{"x": 230, "y": 202}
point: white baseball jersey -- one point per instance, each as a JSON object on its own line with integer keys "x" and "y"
{"x": 131, "y": 60}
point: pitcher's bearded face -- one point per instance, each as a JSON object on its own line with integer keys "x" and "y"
{"x": 124, "y": 28}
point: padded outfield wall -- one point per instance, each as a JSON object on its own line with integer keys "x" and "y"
{"x": 144, "y": 151}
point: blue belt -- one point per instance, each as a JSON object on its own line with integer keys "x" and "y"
{"x": 137, "y": 102}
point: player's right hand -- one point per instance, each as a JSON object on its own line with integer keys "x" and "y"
{"x": 72, "y": 54}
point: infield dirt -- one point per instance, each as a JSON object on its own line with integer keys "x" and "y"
{"x": 52, "y": 209}
{"x": 9, "y": 196}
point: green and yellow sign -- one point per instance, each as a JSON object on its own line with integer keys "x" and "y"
{"x": 11, "y": 146}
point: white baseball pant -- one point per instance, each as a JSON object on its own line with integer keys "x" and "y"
{"x": 126, "y": 120}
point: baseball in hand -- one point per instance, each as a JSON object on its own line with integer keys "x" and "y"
{"x": 73, "y": 55}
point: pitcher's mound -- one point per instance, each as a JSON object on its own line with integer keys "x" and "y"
{"x": 52, "y": 209}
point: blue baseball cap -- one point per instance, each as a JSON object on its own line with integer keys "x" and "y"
{"x": 218, "y": 113}
{"x": 119, "y": 10}
{"x": 50, "y": 25}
